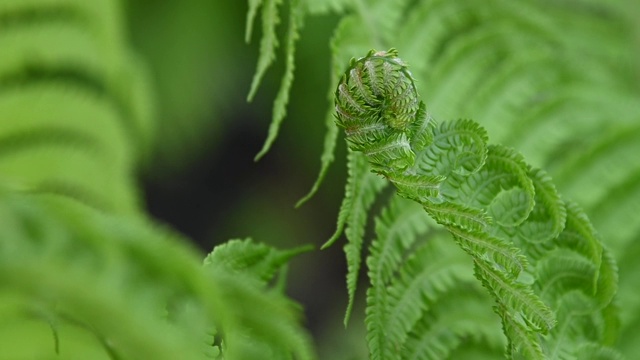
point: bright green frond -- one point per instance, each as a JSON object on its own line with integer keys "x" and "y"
{"x": 500, "y": 211}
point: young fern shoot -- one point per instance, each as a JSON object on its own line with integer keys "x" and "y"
{"x": 505, "y": 215}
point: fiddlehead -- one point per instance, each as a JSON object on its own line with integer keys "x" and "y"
{"x": 500, "y": 211}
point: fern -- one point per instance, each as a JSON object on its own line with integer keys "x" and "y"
{"x": 82, "y": 273}
{"x": 268, "y": 44}
{"x": 359, "y": 195}
{"x": 557, "y": 81}
{"x": 482, "y": 195}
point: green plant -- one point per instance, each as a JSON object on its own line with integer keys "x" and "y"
{"x": 85, "y": 274}
{"x": 553, "y": 80}
{"x": 507, "y": 216}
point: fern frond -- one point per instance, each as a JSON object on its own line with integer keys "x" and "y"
{"x": 563, "y": 271}
{"x": 296, "y": 17}
{"x": 502, "y": 187}
{"x": 481, "y": 244}
{"x": 580, "y": 235}
{"x": 418, "y": 187}
{"x": 359, "y": 182}
{"x": 268, "y": 43}
{"x": 327, "y": 157}
{"x": 397, "y": 229}
{"x": 516, "y": 298}
{"x": 419, "y": 287}
{"x": 453, "y": 214}
{"x": 402, "y": 287}
{"x": 365, "y": 188}
{"x": 361, "y": 189}
{"x": 346, "y": 41}
{"x": 489, "y": 199}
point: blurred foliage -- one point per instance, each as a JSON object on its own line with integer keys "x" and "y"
{"x": 84, "y": 272}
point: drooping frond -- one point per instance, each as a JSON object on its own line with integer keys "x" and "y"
{"x": 269, "y": 42}
{"x": 362, "y": 187}
{"x": 296, "y": 17}
{"x": 345, "y": 37}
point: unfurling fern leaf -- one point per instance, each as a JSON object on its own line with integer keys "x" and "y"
{"x": 507, "y": 216}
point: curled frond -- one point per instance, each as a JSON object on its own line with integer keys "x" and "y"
{"x": 500, "y": 211}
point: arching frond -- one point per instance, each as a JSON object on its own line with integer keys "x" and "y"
{"x": 484, "y": 197}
